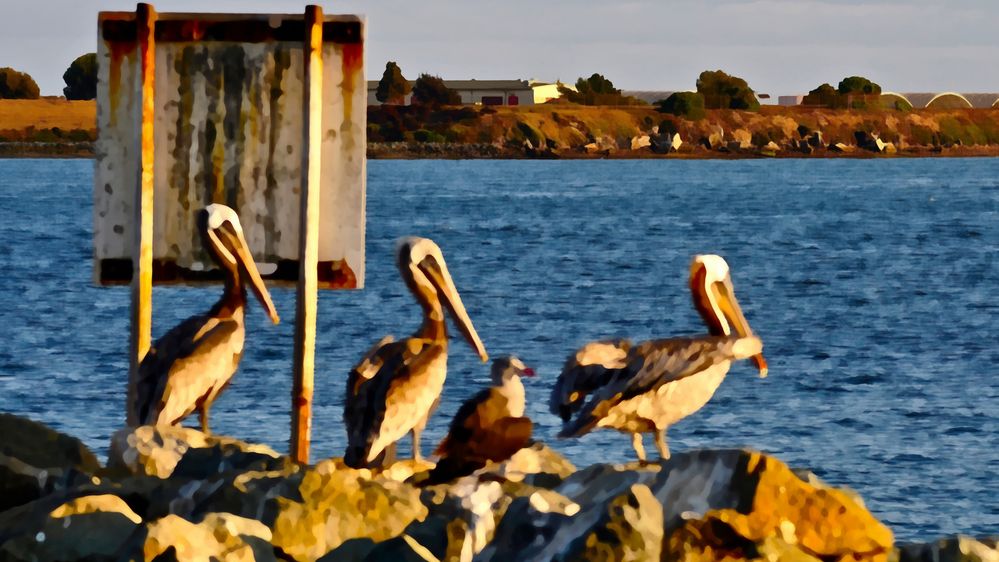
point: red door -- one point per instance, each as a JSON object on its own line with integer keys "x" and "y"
{"x": 513, "y": 100}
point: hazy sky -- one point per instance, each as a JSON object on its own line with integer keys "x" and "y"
{"x": 779, "y": 46}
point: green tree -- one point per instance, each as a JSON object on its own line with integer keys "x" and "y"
{"x": 596, "y": 90}
{"x": 81, "y": 78}
{"x": 824, "y": 96}
{"x": 723, "y": 91}
{"x": 689, "y": 105}
{"x": 17, "y": 85}
{"x": 393, "y": 87}
{"x": 858, "y": 85}
{"x": 431, "y": 90}
{"x": 859, "y": 92}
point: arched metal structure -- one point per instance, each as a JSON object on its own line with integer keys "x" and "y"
{"x": 890, "y": 99}
{"x": 949, "y": 100}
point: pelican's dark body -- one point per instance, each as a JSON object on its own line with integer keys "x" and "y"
{"x": 647, "y": 387}
{"x": 187, "y": 368}
{"x": 397, "y": 385}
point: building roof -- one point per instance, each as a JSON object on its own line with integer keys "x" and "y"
{"x": 473, "y": 84}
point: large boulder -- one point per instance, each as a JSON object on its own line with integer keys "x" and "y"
{"x": 754, "y": 503}
{"x": 165, "y": 451}
{"x": 36, "y": 460}
{"x": 87, "y": 527}
{"x": 336, "y": 503}
{"x": 219, "y": 536}
{"x": 40, "y": 446}
{"x": 869, "y": 141}
{"x": 709, "y": 502}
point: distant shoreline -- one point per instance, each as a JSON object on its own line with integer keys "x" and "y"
{"x": 48, "y": 128}
{"x": 424, "y": 151}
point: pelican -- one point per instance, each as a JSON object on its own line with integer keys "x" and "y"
{"x": 191, "y": 365}
{"x": 489, "y": 427}
{"x": 397, "y": 385}
{"x": 646, "y": 388}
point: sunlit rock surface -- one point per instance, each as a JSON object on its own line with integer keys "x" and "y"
{"x": 159, "y": 451}
{"x": 176, "y": 493}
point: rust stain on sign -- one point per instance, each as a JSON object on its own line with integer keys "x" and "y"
{"x": 228, "y": 121}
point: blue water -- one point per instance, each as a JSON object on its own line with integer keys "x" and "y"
{"x": 872, "y": 284}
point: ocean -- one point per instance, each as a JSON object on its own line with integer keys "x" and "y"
{"x": 871, "y": 282}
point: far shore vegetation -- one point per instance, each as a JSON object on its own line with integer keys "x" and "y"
{"x": 722, "y": 117}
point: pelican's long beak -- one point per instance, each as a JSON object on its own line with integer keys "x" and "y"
{"x": 256, "y": 283}
{"x": 436, "y": 271}
{"x": 234, "y": 248}
{"x": 724, "y": 296}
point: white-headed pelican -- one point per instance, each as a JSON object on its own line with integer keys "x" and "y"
{"x": 187, "y": 368}
{"x": 397, "y": 385}
{"x": 647, "y": 387}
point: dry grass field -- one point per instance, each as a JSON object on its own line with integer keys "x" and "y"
{"x": 47, "y": 113}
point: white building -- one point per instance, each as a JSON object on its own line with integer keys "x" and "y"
{"x": 477, "y": 92}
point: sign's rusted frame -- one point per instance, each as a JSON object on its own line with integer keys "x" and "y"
{"x": 144, "y": 29}
{"x": 123, "y": 28}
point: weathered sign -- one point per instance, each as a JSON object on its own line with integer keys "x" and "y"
{"x": 227, "y": 93}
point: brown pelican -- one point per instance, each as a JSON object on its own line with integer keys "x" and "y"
{"x": 490, "y": 426}
{"x": 397, "y": 385}
{"x": 187, "y": 368}
{"x": 647, "y": 387}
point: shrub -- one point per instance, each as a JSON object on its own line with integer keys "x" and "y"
{"x": 859, "y": 92}
{"x": 858, "y": 85}
{"x": 689, "y": 105}
{"x": 824, "y": 96}
{"x": 424, "y": 135}
{"x": 723, "y": 91}
{"x": 596, "y": 90}
{"x": 17, "y": 85}
{"x": 81, "y": 78}
{"x": 431, "y": 90}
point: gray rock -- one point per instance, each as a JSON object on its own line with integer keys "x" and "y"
{"x": 42, "y": 447}
{"x": 36, "y": 460}
{"x": 88, "y": 527}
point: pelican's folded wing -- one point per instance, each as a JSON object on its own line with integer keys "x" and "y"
{"x": 588, "y": 369}
{"x": 654, "y": 363}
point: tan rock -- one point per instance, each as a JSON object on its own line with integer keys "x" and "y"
{"x": 339, "y": 504}
{"x": 157, "y": 451}
{"x": 537, "y": 459}
{"x": 220, "y": 536}
{"x": 818, "y": 520}
{"x": 640, "y": 142}
{"x": 743, "y": 137}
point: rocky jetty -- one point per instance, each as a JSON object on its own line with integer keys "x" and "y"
{"x": 178, "y": 494}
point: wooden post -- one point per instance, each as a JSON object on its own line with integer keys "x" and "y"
{"x": 142, "y": 249}
{"x": 305, "y": 313}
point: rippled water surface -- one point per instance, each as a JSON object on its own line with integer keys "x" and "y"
{"x": 872, "y": 283}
